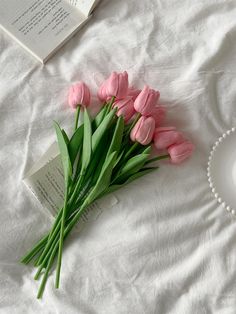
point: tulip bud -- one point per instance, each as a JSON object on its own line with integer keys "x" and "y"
{"x": 117, "y": 85}
{"x": 143, "y": 130}
{"x": 167, "y": 136}
{"x": 133, "y": 92}
{"x": 79, "y": 94}
{"x": 125, "y": 107}
{"x": 179, "y": 152}
{"x": 102, "y": 94}
{"x": 146, "y": 101}
{"x": 159, "y": 114}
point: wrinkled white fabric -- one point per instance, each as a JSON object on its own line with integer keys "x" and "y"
{"x": 167, "y": 246}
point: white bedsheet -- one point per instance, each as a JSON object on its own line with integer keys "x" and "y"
{"x": 167, "y": 246}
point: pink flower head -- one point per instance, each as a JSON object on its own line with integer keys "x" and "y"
{"x": 79, "y": 94}
{"x": 133, "y": 92}
{"x": 159, "y": 114}
{"x": 146, "y": 101}
{"x": 165, "y": 128}
{"x": 166, "y": 136}
{"x": 102, "y": 94}
{"x": 179, "y": 152}
{"x": 125, "y": 108}
{"x": 143, "y": 130}
{"x": 117, "y": 85}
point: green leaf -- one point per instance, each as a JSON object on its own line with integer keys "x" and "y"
{"x": 119, "y": 158}
{"x": 135, "y": 176}
{"x": 99, "y": 117}
{"x": 75, "y": 143}
{"x": 65, "y": 136}
{"x": 141, "y": 173}
{"x": 99, "y": 165}
{"x": 65, "y": 158}
{"x": 132, "y": 166}
{"x": 87, "y": 142}
{"x": 147, "y": 150}
{"x": 103, "y": 179}
{"x": 102, "y": 128}
{"x": 95, "y": 161}
{"x": 117, "y": 136}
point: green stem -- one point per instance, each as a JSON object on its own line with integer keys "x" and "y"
{"x": 53, "y": 242}
{"x": 49, "y": 241}
{"x": 110, "y": 105}
{"x": 126, "y": 136}
{"x": 56, "y": 226}
{"x": 134, "y": 122}
{"x": 61, "y": 239}
{"x": 76, "y": 218}
{"x": 45, "y": 241}
{"x": 44, "y": 280}
{"x": 77, "y": 117}
{"x": 157, "y": 158}
{"x": 27, "y": 258}
{"x": 35, "y": 253}
{"x": 132, "y": 148}
{"x": 55, "y": 235}
{"x": 76, "y": 189}
{"x": 54, "y": 250}
{"x": 46, "y": 258}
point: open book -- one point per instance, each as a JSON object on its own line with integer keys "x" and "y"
{"x": 43, "y": 26}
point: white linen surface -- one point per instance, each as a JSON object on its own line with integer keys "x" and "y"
{"x": 167, "y": 246}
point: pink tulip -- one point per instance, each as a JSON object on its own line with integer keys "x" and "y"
{"x": 125, "y": 108}
{"x": 143, "y": 130}
{"x": 146, "y": 101}
{"x": 165, "y": 128}
{"x": 179, "y": 152}
{"x": 79, "y": 94}
{"x": 159, "y": 114}
{"x": 102, "y": 94}
{"x": 167, "y": 136}
{"x": 117, "y": 85}
{"x": 133, "y": 92}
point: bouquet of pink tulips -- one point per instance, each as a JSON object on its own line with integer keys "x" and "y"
{"x": 104, "y": 154}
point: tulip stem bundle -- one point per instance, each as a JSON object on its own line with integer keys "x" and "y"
{"x": 103, "y": 155}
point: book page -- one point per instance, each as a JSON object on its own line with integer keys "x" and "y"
{"x": 40, "y": 25}
{"x": 85, "y": 6}
{"x": 46, "y": 181}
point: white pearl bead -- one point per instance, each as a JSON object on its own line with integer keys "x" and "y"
{"x": 213, "y": 190}
{"x": 220, "y": 139}
{"x": 219, "y": 200}
{"x": 228, "y": 208}
{"x": 211, "y": 185}
{"x": 228, "y": 132}
{"x": 233, "y": 211}
{"x": 216, "y": 195}
{"x": 233, "y": 129}
{"x": 224, "y": 135}
{"x": 223, "y": 204}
